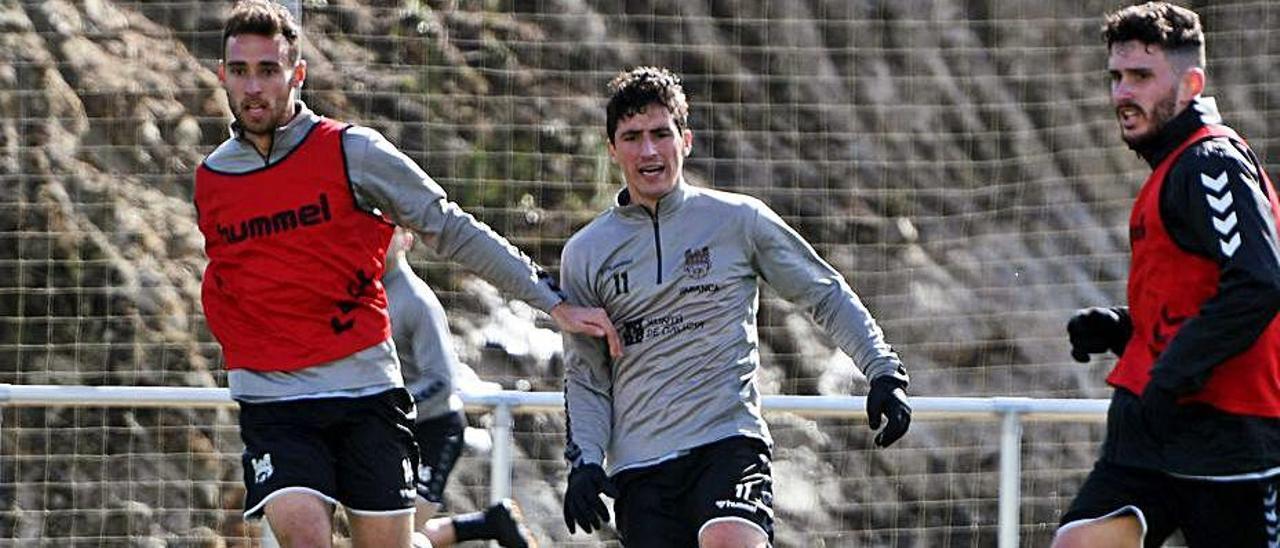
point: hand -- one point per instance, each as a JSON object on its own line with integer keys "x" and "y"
{"x": 588, "y": 321}
{"x": 582, "y": 504}
{"x": 1096, "y": 330}
{"x": 888, "y": 397}
{"x": 1159, "y": 410}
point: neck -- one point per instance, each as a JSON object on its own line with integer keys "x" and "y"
{"x": 652, "y": 205}
{"x": 261, "y": 141}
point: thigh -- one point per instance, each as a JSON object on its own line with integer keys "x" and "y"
{"x": 298, "y": 519}
{"x": 1237, "y": 514}
{"x": 439, "y": 442}
{"x": 1116, "y": 491}
{"x": 647, "y": 508}
{"x": 375, "y": 455}
{"x": 734, "y": 484}
{"x": 284, "y": 452}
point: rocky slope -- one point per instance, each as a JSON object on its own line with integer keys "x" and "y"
{"x": 955, "y": 159}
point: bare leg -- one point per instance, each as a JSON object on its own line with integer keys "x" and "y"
{"x": 1124, "y": 531}
{"x": 378, "y": 531}
{"x": 732, "y": 534}
{"x": 301, "y": 520}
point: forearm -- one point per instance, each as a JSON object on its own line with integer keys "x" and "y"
{"x": 842, "y": 315}
{"x": 390, "y": 184}
{"x": 1228, "y": 324}
{"x": 473, "y": 244}
{"x": 793, "y": 268}
{"x": 588, "y": 400}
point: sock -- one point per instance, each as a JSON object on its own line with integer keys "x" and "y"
{"x": 471, "y": 526}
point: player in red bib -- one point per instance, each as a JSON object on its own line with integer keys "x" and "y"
{"x": 1194, "y": 423}
{"x": 297, "y": 211}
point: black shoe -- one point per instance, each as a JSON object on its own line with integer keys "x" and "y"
{"x": 507, "y": 523}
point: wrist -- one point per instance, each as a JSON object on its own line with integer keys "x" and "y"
{"x": 896, "y": 378}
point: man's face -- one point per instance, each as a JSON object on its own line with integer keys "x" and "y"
{"x": 650, "y": 149}
{"x": 1144, "y": 89}
{"x": 259, "y": 80}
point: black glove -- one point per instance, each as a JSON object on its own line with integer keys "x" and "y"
{"x": 582, "y": 504}
{"x": 1159, "y": 411}
{"x": 1096, "y": 330}
{"x": 888, "y": 397}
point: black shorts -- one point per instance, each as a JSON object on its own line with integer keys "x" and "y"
{"x": 357, "y": 452}
{"x": 439, "y": 444}
{"x": 1240, "y": 514}
{"x": 668, "y": 504}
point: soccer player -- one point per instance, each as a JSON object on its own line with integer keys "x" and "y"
{"x": 1194, "y": 423}
{"x": 428, "y": 363}
{"x": 677, "y": 420}
{"x": 297, "y": 211}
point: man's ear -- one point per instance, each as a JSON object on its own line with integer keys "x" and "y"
{"x": 687, "y": 134}
{"x": 299, "y": 74}
{"x": 1191, "y": 85}
{"x": 222, "y": 72}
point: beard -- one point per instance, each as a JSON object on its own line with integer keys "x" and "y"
{"x": 1160, "y": 114}
{"x": 277, "y": 116}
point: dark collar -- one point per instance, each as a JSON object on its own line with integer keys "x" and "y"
{"x": 1200, "y": 112}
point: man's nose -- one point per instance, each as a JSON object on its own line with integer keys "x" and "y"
{"x": 1121, "y": 90}
{"x": 648, "y": 147}
{"x": 253, "y": 85}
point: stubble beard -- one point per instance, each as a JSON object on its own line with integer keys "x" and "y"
{"x": 278, "y": 118}
{"x": 1161, "y": 113}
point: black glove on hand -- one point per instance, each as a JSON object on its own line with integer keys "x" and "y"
{"x": 887, "y": 397}
{"x": 582, "y": 504}
{"x": 1159, "y": 411}
{"x": 1096, "y": 330}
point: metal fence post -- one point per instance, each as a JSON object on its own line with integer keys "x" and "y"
{"x": 500, "y": 459}
{"x": 1010, "y": 477}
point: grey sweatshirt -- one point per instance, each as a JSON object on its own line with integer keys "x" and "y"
{"x": 682, "y": 286}
{"x": 385, "y": 182}
{"x": 423, "y": 342}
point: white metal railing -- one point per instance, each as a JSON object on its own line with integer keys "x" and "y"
{"x": 1009, "y": 411}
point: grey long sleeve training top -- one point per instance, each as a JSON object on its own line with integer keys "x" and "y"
{"x": 384, "y": 182}
{"x": 423, "y": 343}
{"x": 682, "y": 285}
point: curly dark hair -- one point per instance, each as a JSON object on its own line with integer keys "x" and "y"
{"x": 263, "y": 18}
{"x": 1174, "y": 28}
{"x": 633, "y": 90}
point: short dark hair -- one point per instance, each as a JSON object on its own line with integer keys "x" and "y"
{"x": 633, "y": 90}
{"x": 263, "y": 18}
{"x": 1174, "y": 28}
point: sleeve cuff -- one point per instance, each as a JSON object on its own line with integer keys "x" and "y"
{"x": 887, "y": 367}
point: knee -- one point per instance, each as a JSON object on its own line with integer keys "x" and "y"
{"x": 424, "y": 512}
{"x": 301, "y": 536}
{"x": 731, "y": 534}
